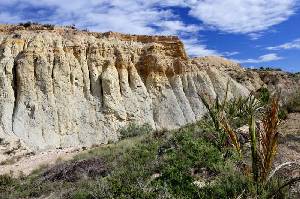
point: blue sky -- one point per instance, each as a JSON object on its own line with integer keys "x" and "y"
{"x": 252, "y": 32}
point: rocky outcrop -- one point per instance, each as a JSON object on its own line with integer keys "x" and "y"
{"x": 248, "y": 78}
{"x": 287, "y": 84}
{"x": 63, "y": 87}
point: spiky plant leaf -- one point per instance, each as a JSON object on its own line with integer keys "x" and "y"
{"x": 232, "y": 135}
{"x": 254, "y": 153}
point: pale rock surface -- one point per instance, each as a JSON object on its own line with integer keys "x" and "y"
{"x": 66, "y": 88}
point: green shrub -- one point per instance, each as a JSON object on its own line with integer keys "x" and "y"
{"x": 6, "y": 180}
{"x": 282, "y": 114}
{"x": 269, "y": 69}
{"x": 81, "y": 195}
{"x": 176, "y": 158}
{"x": 7, "y": 185}
{"x": 264, "y": 95}
{"x": 293, "y": 103}
{"x": 133, "y": 130}
{"x": 229, "y": 185}
{"x": 180, "y": 156}
{"x": 49, "y": 26}
{"x": 26, "y": 24}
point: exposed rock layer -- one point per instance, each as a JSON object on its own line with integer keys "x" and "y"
{"x": 63, "y": 87}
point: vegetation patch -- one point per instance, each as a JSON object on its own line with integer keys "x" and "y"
{"x": 76, "y": 170}
{"x": 201, "y": 160}
{"x": 293, "y": 104}
{"x": 133, "y": 130}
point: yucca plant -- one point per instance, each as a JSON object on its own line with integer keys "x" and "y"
{"x": 232, "y": 135}
{"x": 269, "y": 139}
{"x": 253, "y": 142}
{"x": 252, "y": 106}
{"x": 213, "y": 111}
{"x": 218, "y": 115}
{"x": 263, "y": 141}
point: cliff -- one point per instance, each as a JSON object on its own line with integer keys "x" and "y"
{"x": 63, "y": 87}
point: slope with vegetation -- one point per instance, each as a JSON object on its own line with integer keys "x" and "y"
{"x": 208, "y": 159}
{"x": 64, "y": 87}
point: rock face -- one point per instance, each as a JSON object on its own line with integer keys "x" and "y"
{"x": 287, "y": 84}
{"x": 64, "y": 87}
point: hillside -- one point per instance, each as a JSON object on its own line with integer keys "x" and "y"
{"x": 108, "y": 115}
{"x": 61, "y": 87}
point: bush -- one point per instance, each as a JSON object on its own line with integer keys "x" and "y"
{"x": 73, "y": 27}
{"x": 6, "y": 180}
{"x": 49, "y": 26}
{"x": 26, "y": 24}
{"x": 180, "y": 155}
{"x": 7, "y": 185}
{"x": 163, "y": 164}
{"x": 264, "y": 95}
{"x": 282, "y": 114}
{"x": 81, "y": 195}
{"x": 133, "y": 130}
{"x": 293, "y": 104}
{"x": 269, "y": 69}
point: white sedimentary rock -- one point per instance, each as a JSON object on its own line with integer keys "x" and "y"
{"x": 61, "y": 87}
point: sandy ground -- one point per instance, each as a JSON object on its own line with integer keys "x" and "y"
{"x": 289, "y": 151}
{"x": 289, "y": 141}
{"x": 25, "y": 165}
{"x": 291, "y": 125}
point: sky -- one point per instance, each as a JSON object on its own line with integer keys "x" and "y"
{"x": 254, "y": 33}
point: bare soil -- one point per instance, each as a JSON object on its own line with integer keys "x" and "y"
{"x": 27, "y": 164}
{"x": 289, "y": 151}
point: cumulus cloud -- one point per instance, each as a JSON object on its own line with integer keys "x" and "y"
{"x": 154, "y": 16}
{"x": 242, "y": 16}
{"x": 262, "y": 59}
{"x": 171, "y": 27}
{"x": 286, "y": 46}
{"x": 132, "y": 16}
{"x": 194, "y": 48}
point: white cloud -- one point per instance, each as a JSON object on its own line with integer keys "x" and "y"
{"x": 195, "y": 49}
{"x": 261, "y": 59}
{"x": 286, "y": 46}
{"x": 130, "y": 16}
{"x": 153, "y": 16}
{"x": 242, "y": 16}
{"x": 175, "y": 27}
{"x": 229, "y": 54}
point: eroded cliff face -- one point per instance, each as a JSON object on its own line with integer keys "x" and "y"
{"x": 287, "y": 84}
{"x": 63, "y": 87}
